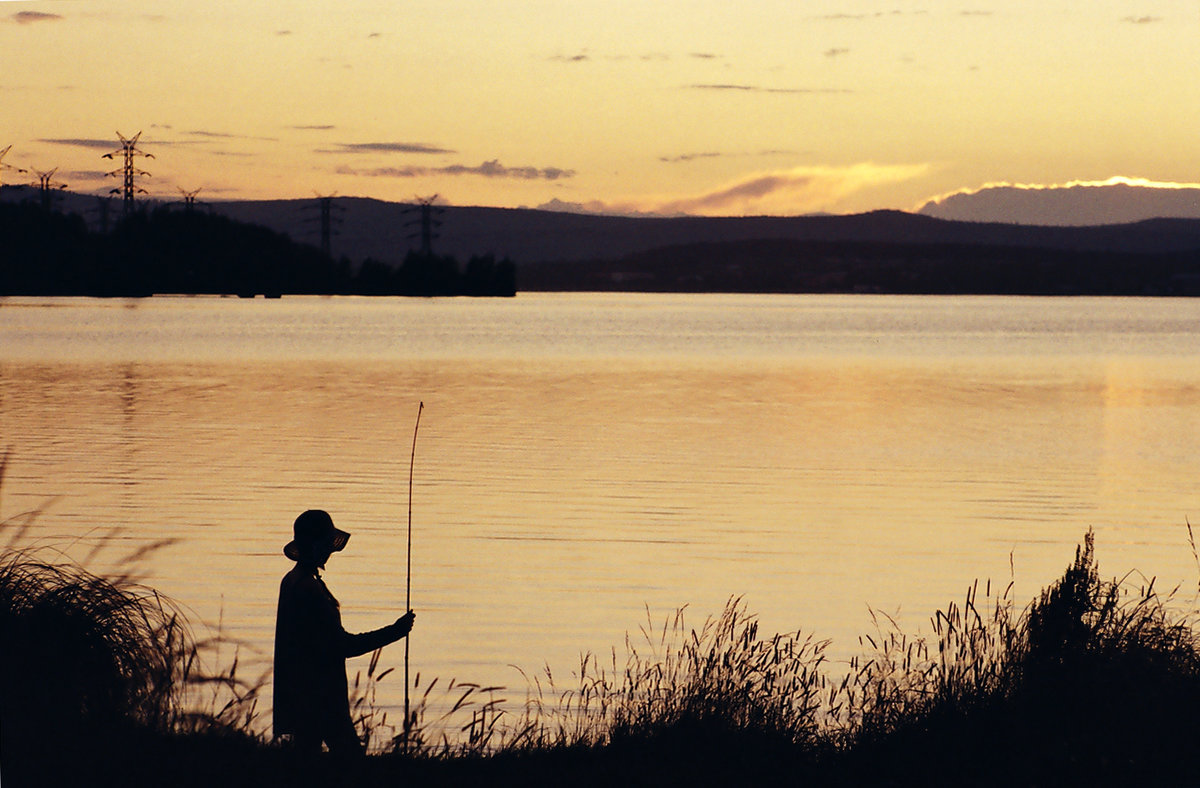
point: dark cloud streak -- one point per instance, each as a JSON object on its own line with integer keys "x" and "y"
{"x": 84, "y": 143}
{"x": 387, "y": 147}
{"x": 488, "y": 169}
{"x": 29, "y": 17}
{"x": 220, "y": 135}
{"x": 734, "y": 88}
{"x": 686, "y": 157}
{"x": 844, "y": 17}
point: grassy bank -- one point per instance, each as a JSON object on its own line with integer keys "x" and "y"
{"x": 104, "y": 683}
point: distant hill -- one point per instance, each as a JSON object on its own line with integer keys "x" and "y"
{"x": 1116, "y": 201}
{"x": 385, "y": 231}
{"x": 556, "y": 250}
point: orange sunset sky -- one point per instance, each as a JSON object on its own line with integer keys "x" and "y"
{"x": 696, "y": 106}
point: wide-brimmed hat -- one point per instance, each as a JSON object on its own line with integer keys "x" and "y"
{"x": 314, "y": 527}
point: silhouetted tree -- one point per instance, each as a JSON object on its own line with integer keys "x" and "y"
{"x": 429, "y": 275}
{"x": 486, "y": 277}
{"x": 165, "y": 251}
{"x": 43, "y": 252}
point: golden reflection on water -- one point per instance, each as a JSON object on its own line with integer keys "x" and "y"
{"x": 557, "y": 498}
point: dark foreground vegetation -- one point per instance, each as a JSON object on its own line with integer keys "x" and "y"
{"x": 46, "y": 253}
{"x": 1092, "y": 683}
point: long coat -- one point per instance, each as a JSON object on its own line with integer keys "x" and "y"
{"x": 311, "y": 648}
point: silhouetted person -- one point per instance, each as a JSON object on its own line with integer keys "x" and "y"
{"x": 312, "y": 704}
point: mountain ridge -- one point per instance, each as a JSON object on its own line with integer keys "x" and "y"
{"x": 366, "y": 227}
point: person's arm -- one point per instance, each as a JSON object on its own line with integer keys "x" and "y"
{"x": 353, "y": 645}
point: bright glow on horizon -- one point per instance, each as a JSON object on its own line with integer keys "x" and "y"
{"x": 783, "y": 192}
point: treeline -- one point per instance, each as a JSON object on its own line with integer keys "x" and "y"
{"x": 194, "y": 252}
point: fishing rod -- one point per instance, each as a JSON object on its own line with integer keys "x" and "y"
{"x": 408, "y": 571}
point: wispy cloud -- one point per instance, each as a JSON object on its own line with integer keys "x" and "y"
{"x": 782, "y": 192}
{"x": 488, "y": 169}
{"x": 735, "y": 88}
{"x": 313, "y": 127}
{"x": 221, "y": 135}
{"x": 84, "y": 143}
{"x": 681, "y": 158}
{"x": 581, "y": 57}
{"x": 84, "y": 175}
{"x": 858, "y": 17}
{"x": 685, "y": 157}
{"x": 29, "y": 17}
{"x": 1142, "y": 20}
{"x": 837, "y": 52}
{"x": 387, "y": 147}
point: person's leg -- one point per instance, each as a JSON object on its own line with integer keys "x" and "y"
{"x": 342, "y": 739}
{"x": 306, "y": 743}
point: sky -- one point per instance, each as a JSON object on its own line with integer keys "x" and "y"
{"x": 779, "y": 107}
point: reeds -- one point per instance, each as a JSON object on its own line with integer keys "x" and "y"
{"x": 1094, "y": 680}
{"x": 86, "y": 651}
{"x": 720, "y": 680}
{"x": 89, "y": 659}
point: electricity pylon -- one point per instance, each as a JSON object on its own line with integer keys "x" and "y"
{"x": 326, "y": 206}
{"x": 48, "y": 186}
{"x": 4, "y": 166}
{"x": 428, "y": 223}
{"x": 189, "y": 198}
{"x": 128, "y": 150}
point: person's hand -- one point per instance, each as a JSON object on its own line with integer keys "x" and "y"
{"x": 404, "y": 624}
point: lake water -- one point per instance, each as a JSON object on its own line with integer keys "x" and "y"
{"x": 585, "y": 458}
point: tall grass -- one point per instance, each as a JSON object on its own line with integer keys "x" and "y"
{"x": 92, "y": 653}
{"x": 89, "y": 661}
{"x": 718, "y": 680}
{"x": 1094, "y": 680}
